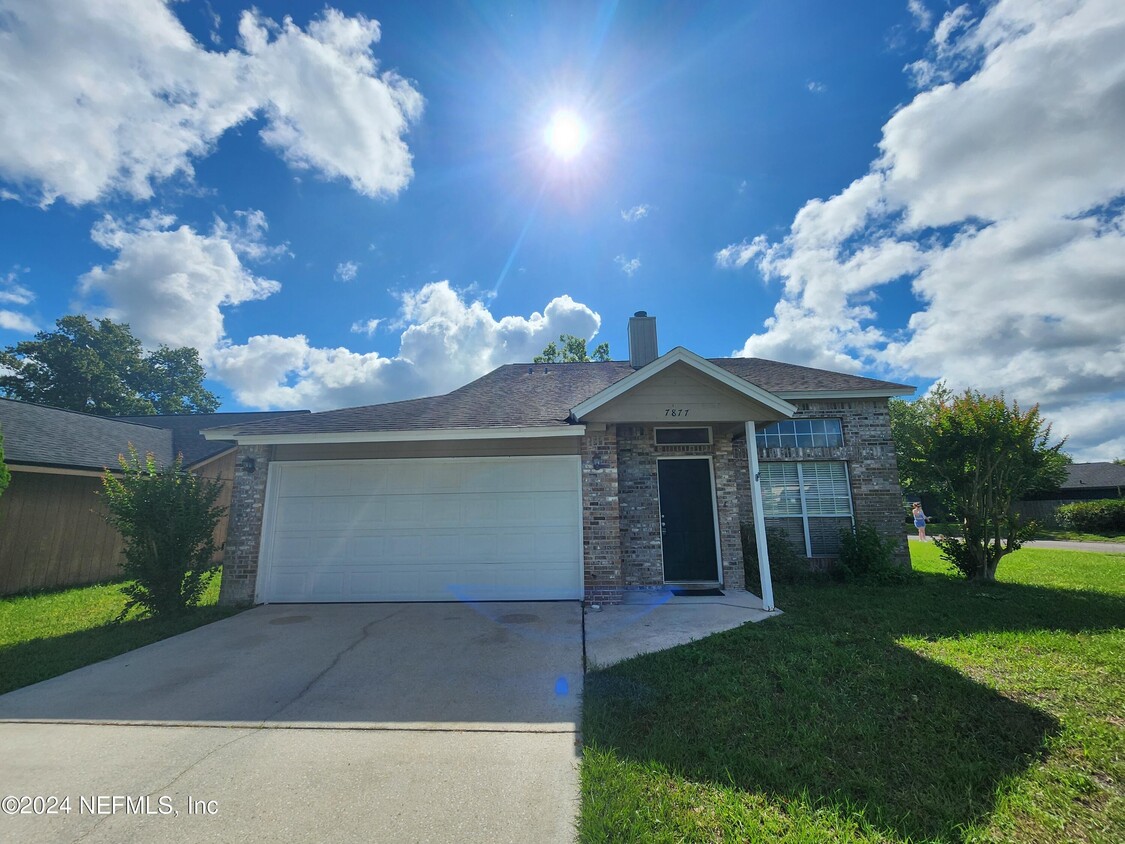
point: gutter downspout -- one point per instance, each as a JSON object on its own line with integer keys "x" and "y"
{"x": 759, "y": 517}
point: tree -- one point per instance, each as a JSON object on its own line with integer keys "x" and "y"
{"x": 5, "y": 475}
{"x": 1120, "y": 461}
{"x": 167, "y": 517}
{"x": 101, "y": 368}
{"x": 573, "y": 351}
{"x": 979, "y": 456}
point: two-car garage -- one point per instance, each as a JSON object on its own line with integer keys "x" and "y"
{"x": 437, "y": 529}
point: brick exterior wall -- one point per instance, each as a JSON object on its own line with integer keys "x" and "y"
{"x": 601, "y": 518}
{"x": 641, "y": 553}
{"x": 726, "y": 497}
{"x": 869, "y": 452}
{"x": 244, "y": 536}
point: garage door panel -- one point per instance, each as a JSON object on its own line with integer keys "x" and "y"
{"x": 445, "y": 529}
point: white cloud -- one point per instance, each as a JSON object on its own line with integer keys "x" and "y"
{"x": 346, "y": 271}
{"x": 816, "y": 87}
{"x": 628, "y": 265}
{"x": 117, "y": 96}
{"x": 447, "y": 341}
{"x": 922, "y": 15}
{"x": 171, "y": 283}
{"x": 14, "y": 293}
{"x": 366, "y": 326}
{"x": 15, "y": 321}
{"x": 998, "y": 196}
{"x": 635, "y": 213}
{"x": 11, "y": 291}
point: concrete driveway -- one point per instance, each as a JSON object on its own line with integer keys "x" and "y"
{"x": 347, "y": 722}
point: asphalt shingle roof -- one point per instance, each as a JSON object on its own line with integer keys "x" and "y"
{"x": 1093, "y": 475}
{"x": 185, "y": 428}
{"x": 48, "y": 436}
{"x": 540, "y": 395}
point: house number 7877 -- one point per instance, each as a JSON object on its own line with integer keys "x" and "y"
{"x": 676, "y": 411}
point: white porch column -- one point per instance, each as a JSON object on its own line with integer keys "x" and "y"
{"x": 759, "y": 516}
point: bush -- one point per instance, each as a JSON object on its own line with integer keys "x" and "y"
{"x": 1094, "y": 516}
{"x": 786, "y": 564}
{"x": 167, "y": 517}
{"x": 865, "y": 553}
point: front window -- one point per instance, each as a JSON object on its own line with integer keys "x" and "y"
{"x": 683, "y": 436}
{"x": 801, "y": 433}
{"x": 810, "y": 501}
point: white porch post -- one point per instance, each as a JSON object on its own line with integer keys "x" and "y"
{"x": 759, "y": 517}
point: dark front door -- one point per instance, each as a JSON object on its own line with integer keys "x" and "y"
{"x": 687, "y": 520}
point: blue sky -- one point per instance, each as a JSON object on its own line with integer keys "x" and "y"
{"x": 356, "y": 203}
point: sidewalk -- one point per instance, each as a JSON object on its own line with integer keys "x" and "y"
{"x": 1068, "y": 545}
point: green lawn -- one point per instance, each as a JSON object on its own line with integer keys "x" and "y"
{"x": 934, "y": 711}
{"x": 954, "y": 529}
{"x": 49, "y": 633}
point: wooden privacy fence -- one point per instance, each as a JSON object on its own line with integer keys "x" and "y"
{"x": 54, "y": 533}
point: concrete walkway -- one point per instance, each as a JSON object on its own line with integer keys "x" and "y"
{"x": 654, "y": 621}
{"x": 347, "y": 722}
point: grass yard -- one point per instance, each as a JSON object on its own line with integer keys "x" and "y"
{"x": 933, "y": 711}
{"x": 49, "y": 633}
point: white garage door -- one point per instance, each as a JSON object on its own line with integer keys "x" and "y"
{"x": 496, "y": 528}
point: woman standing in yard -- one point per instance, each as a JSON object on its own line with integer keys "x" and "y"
{"x": 920, "y": 520}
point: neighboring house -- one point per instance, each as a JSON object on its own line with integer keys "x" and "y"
{"x": 53, "y": 529}
{"x": 559, "y": 481}
{"x": 1084, "y": 482}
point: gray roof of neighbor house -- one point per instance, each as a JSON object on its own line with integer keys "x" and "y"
{"x": 185, "y": 428}
{"x": 1093, "y": 476}
{"x": 47, "y": 436}
{"x": 539, "y": 395}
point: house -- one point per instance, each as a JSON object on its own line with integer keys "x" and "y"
{"x": 1084, "y": 482}
{"x": 53, "y": 529}
{"x": 560, "y": 481}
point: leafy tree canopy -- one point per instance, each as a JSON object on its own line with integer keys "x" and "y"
{"x": 101, "y": 368}
{"x": 573, "y": 350}
{"x": 979, "y": 456}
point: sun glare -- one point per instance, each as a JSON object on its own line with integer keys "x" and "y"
{"x": 566, "y": 134}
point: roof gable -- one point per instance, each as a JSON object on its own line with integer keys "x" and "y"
{"x": 681, "y": 386}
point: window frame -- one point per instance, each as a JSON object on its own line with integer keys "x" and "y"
{"x": 776, "y": 431}
{"x": 804, "y": 514}
{"x": 657, "y": 429}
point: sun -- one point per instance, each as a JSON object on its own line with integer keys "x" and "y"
{"x": 566, "y": 134}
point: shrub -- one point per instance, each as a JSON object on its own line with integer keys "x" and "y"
{"x": 167, "y": 517}
{"x": 1107, "y": 514}
{"x": 865, "y": 553}
{"x": 786, "y": 564}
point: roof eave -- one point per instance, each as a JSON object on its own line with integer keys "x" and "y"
{"x": 414, "y": 435}
{"x": 880, "y": 393}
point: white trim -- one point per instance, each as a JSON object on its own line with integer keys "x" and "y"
{"x": 269, "y": 506}
{"x": 714, "y": 516}
{"x": 682, "y": 355}
{"x": 845, "y": 394}
{"x": 764, "y": 573}
{"x": 417, "y": 435}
